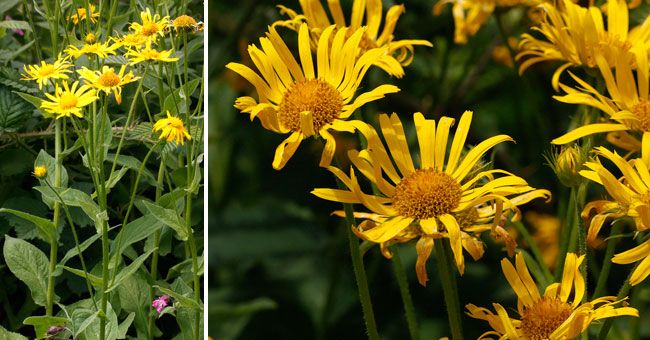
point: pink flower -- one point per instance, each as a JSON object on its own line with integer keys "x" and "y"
{"x": 15, "y": 30}
{"x": 161, "y": 303}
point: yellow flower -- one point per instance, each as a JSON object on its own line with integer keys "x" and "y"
{"x": 151, "y": 27}
{"x": 82, "y": 15}
{"x": 551, "y": 316}
{"x": 545, "y": 233}
{"x": 107, "y": 80}
{"x": 470, "y": 15}
{"x": 631, "y": 194}
{"x": 576, "y": 35}
{"x": 90, "y": 38}
{"x": 441, "y": 198}
{"x": 172, "y": 128}
{"x": 46, "y": 71}
{"x": 130, "y": 40}
{"x": 304, "y": 101}
{"x": 96, "y": 49}
{"x": 317, "y": 20}
{"x": 69, "y": 100}
{"x": 40, "y": 172}
{"x": 147, "y": 54}
{"x": 628, "y": 105}
{"x": 186, "y": 23}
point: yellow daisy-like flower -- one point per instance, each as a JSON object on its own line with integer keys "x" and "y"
{"x": 131, "y": 40}
{"x": 151, "y": 27}
{"x": 46, "y": 71}
{"x": 69, "y": 100}
{"x": 576, "y": 35}
{"x": 304, "y": 101}
{"x": 147, "y": 54}
{"x": 97, "y": 49}
{"x": 186, "y": 23}
{"x": 82, "y": 15}
{"x": 439, "y": 199}
{"x": 40, "y": 172}
{"x": 172, "y": 128}
{"x": 551, "y": 316}
{"x": 628, "y": 104}
{"x": 631, "y": 194}
{"x": 107, "y": 80}
{"x": 470, "y": 15}
{"x": 317, "y": 20}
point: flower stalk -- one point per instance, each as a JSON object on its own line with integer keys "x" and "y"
{"x": 447, "y": 270}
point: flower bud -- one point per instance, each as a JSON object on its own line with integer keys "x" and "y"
{"x": 567, "y": 165}
{"x": 40, "y": 172}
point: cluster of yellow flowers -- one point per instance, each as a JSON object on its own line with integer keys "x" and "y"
{"x": 139, "y": 45}
{"x": 444, "y": 193}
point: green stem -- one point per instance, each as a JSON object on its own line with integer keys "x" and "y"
{"x": 564, "y": 240}
{"x": 607, "y": 262}
{"x": 31, "y": 24}
{"x": 622, "y": 293}
{"x": 54, "y": 246}
{"x": 447, "y": 270}
{"x": 400, "y": 274}
{"x": 582, "y": 233}
{"x": 533, "y": 248}
{"x": 156, "y": 243}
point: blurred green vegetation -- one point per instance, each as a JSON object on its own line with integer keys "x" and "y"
{"x": 279, "y": 262}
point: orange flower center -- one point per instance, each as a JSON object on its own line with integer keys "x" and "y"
{"x": 46, "y": 70}
{"x": 68, "y": 101}
{"x": 320, "y": 98}
{"x": 365, "y": 44}
{"x": 109, "y": 79}
{"x": 426, "y": 193}
{"x": 642, "y": 113}
{"x": 149, "y": 28}
{"x": 543, "y": 317}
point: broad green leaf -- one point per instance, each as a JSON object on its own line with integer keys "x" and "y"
{"x": 25, "y": 229}
{"x": 175, "y": 102}
{"x": 168, "y": 217}
{"x": 129, "y": 270}
{"x": 196, "y": 183}
{"x": 134, "y": 297}
{"x": 46, "y": 228}
{"x": 43, "y": 323}
{"x": 7, "y": 335}
{"x": 183, "y": 300}
{"x": 94, "y": 280}
{"x": 13, "y": 110}
{"x": 112, "y": 330}
{"x": 73, "y": 252}
{"x": 82, "y": 318}
{"x": 46, "y": 160}
{"x": 28, "y": 264}
{"x": 169, "y": 199}
{"x": 76, "y": 198}
{"x": 15, "y": 25}
{"x": 184, "y": 267}
{"x": 135, "y": 231}
{"x": 123, "y": 328}
{"x": 36, "y": 102}
{"x": 133, "y": 164}
{"x": 116, "y": 177}
{"x": 185, "y": 316}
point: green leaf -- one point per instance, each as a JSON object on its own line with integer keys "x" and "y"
{"x": 7, "y": 335}
{"x": 133, "y": 164}
{"x": 82, "y": 318}
{"x": 183, "y": 268}
{"x": 134, "y": 297}
{"x": 43, "y": 323}
{"x": 168, "y": 217}
{"x": 15, "y": 25}
{"x": 6, "y": 5}
{"x": 115, "y": 178}
{"x": 15, "y": 161}
{"x": 46, "y": 160}
{"x": 135, "y": 231}
{"x": 76, "y": 198}
{"x": 185, "y": 316}
{"x": 112, "y": 331}
{"x": 13, "y": 110}
{"x": 123, "y": 328}
{"x": 73, "y": 252}
{"x": 169, "y": 199}
{"x": 46, "y": 228}
{"x": 232, "y": 319}
{"x": 29, "y": 264}
{"x": 183, "y": 300}
{"x": 94, "y": 280}
{"x": 175, "y": 102}
{"x": 129, "y": 270}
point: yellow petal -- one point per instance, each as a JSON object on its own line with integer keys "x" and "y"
{"x": 423, "y": 248}
{"x": 587, "y": 130}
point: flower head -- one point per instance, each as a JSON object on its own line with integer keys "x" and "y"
{"x": 451, "y": 198}
{"x": 69, "y": 100}
{"x": 43, "y": 73}
{"x": 186, "y": 23}
{"x": 631, "y": 198}
{"x": 151, "y": 27}
{"x": 172, "y": 128}
{"x": 107, "y": 80}
{"x": 82, "y": 15}
{"x": 304, "y": 101}
{"x": 161, "y": 303}
{"x": 314, "y": 15}
{"x": 130, "y": 40}
{"x": 96, "y": 49}
{"x": 148, "y": 54}
{"x": 553, "y": 315}
{"x": 90, "y": 38}
{"x": 40, "y": 172}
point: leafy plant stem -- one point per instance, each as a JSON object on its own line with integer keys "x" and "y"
{"x": 534, "y": 249}
{"x": 582, "y": 233}
{"x": 128, "y": 119}
{"x": 156, "y": 242}
{"x": 400, "y": 274}
{"x": 607, "y": 261}
{"x": 359, "y": 269}
{"x": 54, "y": 246}
{"x": 109, "y": 23}
{"x": 622, "y": 293}
{"x": 447, "y": 270}
{"x": 31, "y": 24}
{"x": 565, "y": 239}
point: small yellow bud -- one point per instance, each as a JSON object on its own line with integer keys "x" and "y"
{"x": 567, "y": 165}
{"x": 90, "y": 38}
{"x": 40, "y": 172}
